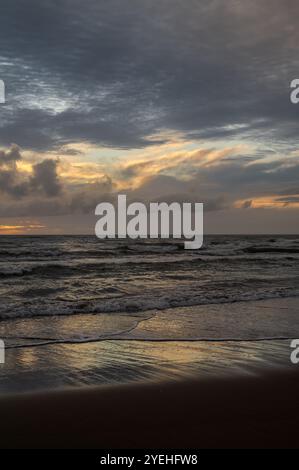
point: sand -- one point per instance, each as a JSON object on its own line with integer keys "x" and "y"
{"x": 247, "y": 411}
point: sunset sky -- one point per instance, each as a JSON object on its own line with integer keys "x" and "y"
{"x": 169, "y": 100}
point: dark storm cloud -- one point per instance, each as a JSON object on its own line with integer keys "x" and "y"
{"x": 11, "y": 182}
{"x": 221, "y": 185}
{"x": 123, "y": 70}
{"x": 239, "y": 181}
{"x": 11, "y": 156}
{"x": 44, "y": 179}
{"x": 42, "y": 192}
{"x": 289, "y": 200}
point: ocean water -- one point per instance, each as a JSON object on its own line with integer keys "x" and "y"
{"x": 118, "y": 282}
{"x": 75, "y": 310}
{"x": 68, "y": 275}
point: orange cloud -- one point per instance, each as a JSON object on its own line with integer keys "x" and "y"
{"x": 173, "y": 162}
{"x": 18, "y": 229}
{"x": 269, "y": 202}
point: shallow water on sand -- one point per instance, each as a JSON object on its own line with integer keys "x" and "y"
{"x": 257, "y": 320}
{"x": 77, "y": 311}
{"x": 80, "y": 350}
{"x": 63, "y": 365}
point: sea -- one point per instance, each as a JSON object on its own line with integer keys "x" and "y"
{"x": 76, "y": 310}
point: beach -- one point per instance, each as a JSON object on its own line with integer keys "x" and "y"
{"x": 129, "y": 393}
{"x": 123, "y": 345}
{"x": 260, "y": 411}
{"x": 149, "y": 225}
{"x": 58, "y": 352}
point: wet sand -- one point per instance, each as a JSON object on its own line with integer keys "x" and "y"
{"x": 126, "y": 392}
{"x": 47, "y": 353}
{"x": 246, "y": 411}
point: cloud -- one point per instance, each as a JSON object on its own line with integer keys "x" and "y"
{"x": 45, "y": 178}
{"x": 132, "y": 74}
{"x": 247, "y": 204}
{"x": 42, "y": 191}
{"x": 220, "y": 178}
{"x": 11, "y": 156}
{"x": 223, "y": 180}
{"x": 116, "y": 73}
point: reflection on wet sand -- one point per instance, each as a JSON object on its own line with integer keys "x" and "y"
{"x": 169, "y": 344}
{"x": 62, "y": 365}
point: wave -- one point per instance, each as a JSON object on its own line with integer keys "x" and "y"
{"x": 149, "y": 340}
{"x": 23, "y": 270}
{"x": 62, "y": 267}
{"x": 140, "y": 303}
{"x": 42, "y": 267}
{"x": 14, "y": 253}
{"x": 269, "y": 249}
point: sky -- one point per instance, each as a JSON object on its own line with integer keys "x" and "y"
{"x": 169, "y": 100}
